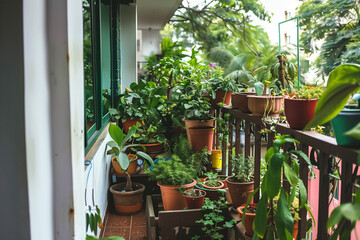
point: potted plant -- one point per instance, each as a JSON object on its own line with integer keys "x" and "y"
{"x": 221, "y": 87}
{"x": 300, "y": 106}
{"x": 271, "y": 220}
{"x": 194, "y": 198}
{"x": 212, "y": 185}
{"x": 271, "y": 86}
{"x": 127, "y": 196}
{"x": 171, "y": 175}
{"x": 241, "y": 183}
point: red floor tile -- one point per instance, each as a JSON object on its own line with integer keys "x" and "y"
{"x": 115, "y": 220}
{"x": 118, "y": 231}
{"x": 138, "y": 233}
{"x": 139, "y": 219}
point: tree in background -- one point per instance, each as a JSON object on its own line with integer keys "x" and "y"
{"x": 218, "y": 23}
{"x": 337, "y": 24}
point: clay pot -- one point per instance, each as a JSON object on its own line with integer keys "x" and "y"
{"x": 129, "y": 123}
{"x": 299, "y": 112}
{"x": 239, "y": 192}
{"x": 132, "y": 169}
{"x": 202, "y": 137}
{"x": 197, "y": 123}
{"x": 265, "y": 105}
{"x": 220, "y": 95}
{"x": 249, "y": 219}
{"x": 195, "y": 202}
{"x": 173, "y": 199}
{"x": 211, "y": 192}
{"x": 127, "y": 202}
{"x": 240, "y": 101}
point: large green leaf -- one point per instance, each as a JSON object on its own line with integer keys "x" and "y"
{"x": 303, "y": 194}
{"x": 354, "y": 132}
{"x": 260, "y": 221}
{"x": 116, "y": 133}
{"x": 146, "y": 156}
{"x": 123, "y": 160}
{"x": 274, "y": 175}
{"x": 342, "y": 82}
{"x": 290, "y": 175}
{"x": 283, "y": 218}
{"x": 259, "y": 88}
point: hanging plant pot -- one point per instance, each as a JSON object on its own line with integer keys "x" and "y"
{"x": 299, "y": 112}
{"x": 127, "y": 202}
{"x": 195, "y": 202}
{"x": 202, "y": 137}
{"x": 343, "y": 122}
{"x": 129, "y": 123}
{"x": 239, "y": 192}
{"x": 265, "y": 105}
{"x": 132, "y": 169}
{"x": 173, "y": 199}
{"x": 221, "y": 96}
{"x": 197, "y": 123}
{"x": 240, "y": 101}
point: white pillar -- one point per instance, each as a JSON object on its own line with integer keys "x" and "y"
{"x": 128, "y": 23}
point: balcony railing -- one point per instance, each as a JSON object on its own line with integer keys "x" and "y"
{"x": 325, "y": 146}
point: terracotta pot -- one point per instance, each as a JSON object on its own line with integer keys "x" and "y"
{"x": 195, "y": 202}
{"x": 299, "y": 112}
{"x": 132, "y": 169}
{"x": 153, "y": 147}
{"x": 202, "y": 137}
{"x": 249, "y": 219}
{"x": 240, "y": 101}
{"x": 296, "y": 229}
{"x": 129, "y": 123}
{"x": 173, "y": 199}
{"x": 239, "y": 192}
{"x": 265, "y": 105}
{"x": 197, "y": 123}
{"x": 221, "y": 96}
{"x": 127, "y": 202}
{"x": 211, "y": 192}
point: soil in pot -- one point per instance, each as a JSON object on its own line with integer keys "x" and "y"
{"x": 127, "y": 202}
{"x": 265, "y": 105}
{"x": 211, "y": 192}
{"x": 195, "y": 202}
{"x": 240, "y": 101}
{"x": 202, "y": 137}
{"x": 239, "y": 192}
{"x": 172, "y": 198}
{"x": 299, "y": 112}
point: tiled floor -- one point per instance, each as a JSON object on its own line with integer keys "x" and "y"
{"x": 129, "y": 227}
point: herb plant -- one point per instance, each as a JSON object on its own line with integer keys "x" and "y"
{"x": 172, "y": 172}
{"x": 214, "y": 221}
{"x": 308, "y": 92}
{"x": 243, "y": 168}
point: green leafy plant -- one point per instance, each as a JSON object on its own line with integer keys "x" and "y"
{"x": 119, "y": 146}
{"x": 243, "y": 168}
{"x": 191, "y": 192}
{"x": 171, "y": 172}
{"x": 214, "y": 221}
{"x": 93, "y": 220}
{"x": 218, "y": 81}
{"x": 212, "y": 180}
{"x": 308, "y": 92}
{"x": 281, "y": 219}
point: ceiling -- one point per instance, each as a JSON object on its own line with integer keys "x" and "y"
{"x": 155, "y": 14}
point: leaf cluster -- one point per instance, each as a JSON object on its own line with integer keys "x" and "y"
{"x": 309, "y": 92}
{"x": 243, "y": 168}
{"x": 172, "y": 172}
{"x": 93, "y": 220}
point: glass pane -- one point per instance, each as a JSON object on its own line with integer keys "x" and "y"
{"x": 88, "y": 67}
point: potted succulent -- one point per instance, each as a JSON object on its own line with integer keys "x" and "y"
{"x": 171, "y": 175}
{"x": 241, "y": 183}
{"x": 300, "y": 106}
{"x": 270, "y": 87}
{"x": 127, "y": 196}
{"x": 194, "y": 198}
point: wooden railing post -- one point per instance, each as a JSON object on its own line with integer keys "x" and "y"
{"x": 304, "y": 176}
{"x": 257, "y": 159}
{"x": 323, "y": 161}
{"x": 230, "y": 147}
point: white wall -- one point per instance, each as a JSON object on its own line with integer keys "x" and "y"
{"x": 128, "y": 23}
{"x": 150, "y": 42}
